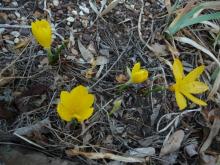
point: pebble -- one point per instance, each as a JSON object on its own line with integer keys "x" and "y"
{"x": 15, "y": 34}
{"x": 56, "y": 2}
{"x": 70, "y": 19}
{"x": 74, "y": 12}
{"x": 81, "y": 13}
{"x": 2, "y": 30}
{"x": 15, "y": 4}
{"x": 16, "y": 40}
{"x": 18, "y": 15}
{"x": 84, "y": 8}
{"x": 104, "y": 52}
{"x": 9, "y": 42}
{"x": 85, "y": 23}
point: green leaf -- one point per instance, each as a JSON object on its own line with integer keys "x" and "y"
{"x": 189, "y": 18}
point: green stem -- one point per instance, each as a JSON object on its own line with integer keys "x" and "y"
{"x": 156, "y": 89}
{"x": 50, "y": 55}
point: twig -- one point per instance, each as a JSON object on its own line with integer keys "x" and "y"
{"x": 175, "y": 120}
{"x": 29, "y": 141}
{"x": 15, "y": 26}
{"x": 94, "y": 155}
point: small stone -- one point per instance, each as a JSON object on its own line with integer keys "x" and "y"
{"x": 9, "y": 42}
{"x": 56, "y": 2}
{"x": 2, "y": 30}
{"x": 70, "y": 19}
{"x": 4, "y": 50}
{"x": 15, "y": 4}
{"x": 74, "y": 12}
{"x": 40, "y": 53}
{"x": 81, "y": 13}
{"x": 16, "y": 40}
{"x": 18, "y": 15}
{"x": 104, "y": 52}
{"x": 68, "y": 23}
{"x": 15, "y": 34}
{"x": 84, "y": 8}
{"x": 85, "y": 23}
{"x": 147, "y": 4}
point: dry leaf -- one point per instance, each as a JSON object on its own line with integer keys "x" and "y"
{"x": 101, "y": 60}
{"x": 23, "y": 43}
{"x": 109, "y": 8}
{"x": 89, "y": 73}
{"x": 86, "y": 54}
{"x": 5, "y": 80}
{"x": 159, "y": 49}
{"x": 173, "y": 143}
{"x": 121, "y": 78}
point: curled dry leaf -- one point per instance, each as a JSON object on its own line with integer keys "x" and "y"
{"x": 173, "y": 143}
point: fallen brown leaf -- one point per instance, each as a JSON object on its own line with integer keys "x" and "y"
{"x": 173, "y": 143}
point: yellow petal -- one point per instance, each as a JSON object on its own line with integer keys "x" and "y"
{"x": 42, "y": 32}
{"x": 84, "y": 115}
{"x": 81, "y": 98}
{"x": 194, "y": 87}
{"x": 64, "y": 113}
{"x": 66, "y": 99}
{"x": 194, "y": 99}
{"x": 194, "y": 74}
{"x": 181, "y": 101}
{"x": 76, "y": 104}
{"x": 139, "y": 76}
{"x": 79, "y": 90}
{"x": 178, "y": 69}
{"x": 136, "y": 68}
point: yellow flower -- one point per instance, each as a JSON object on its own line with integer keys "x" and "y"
{"x": 187, "y": 85}
{"x": 76, "y": 104}
{"x": 138, "y": 75}
{"x": 42, "y": 32}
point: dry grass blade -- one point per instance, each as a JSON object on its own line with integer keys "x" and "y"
{"x": 94, "y": 155}
{"x": 194, "y": 44}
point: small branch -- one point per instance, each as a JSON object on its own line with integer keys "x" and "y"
{"x": 15, "y": 26}
{"x": 94, "y": 155}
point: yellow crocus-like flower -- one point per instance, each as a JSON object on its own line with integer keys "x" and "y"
{"x": 138, "y": 75}
{"x": 42, "y": 32}
{"x": 187, "y": 85}
{"x": 76, "y": 104}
